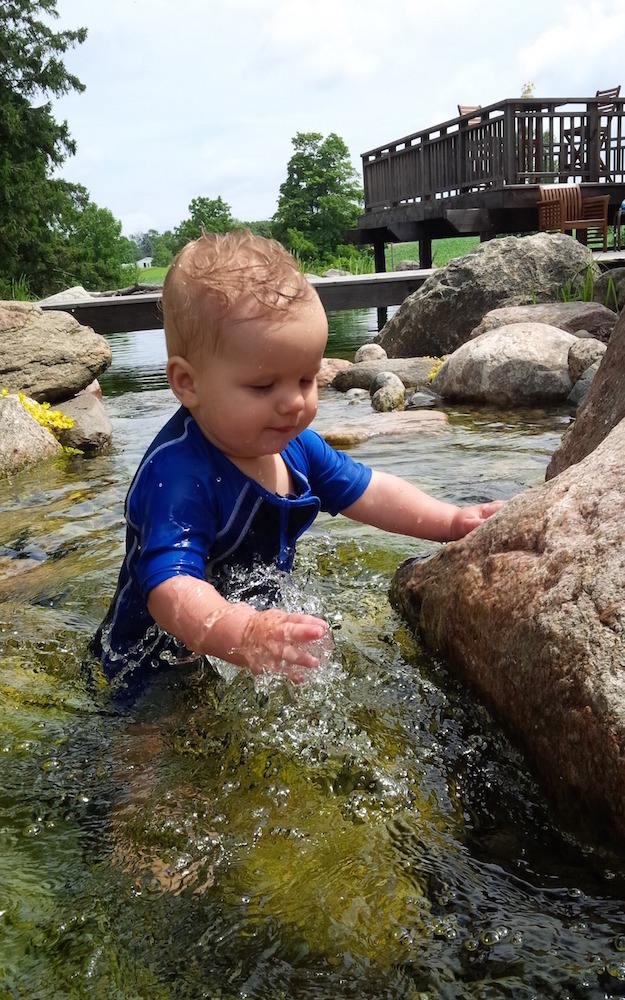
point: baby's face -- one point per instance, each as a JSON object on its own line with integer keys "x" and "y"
{"x": 258, "y": 389}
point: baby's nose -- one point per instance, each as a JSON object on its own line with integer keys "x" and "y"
{"x": 292, "y": 401}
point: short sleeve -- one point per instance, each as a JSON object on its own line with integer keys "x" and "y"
{"x": 333, "y": 475}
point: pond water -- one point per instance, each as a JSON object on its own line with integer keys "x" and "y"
{"x": 369, "y": 834}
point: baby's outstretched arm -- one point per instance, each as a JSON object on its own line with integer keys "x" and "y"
{"x": 395, "y": 505}
{"x": 196, "y": 614}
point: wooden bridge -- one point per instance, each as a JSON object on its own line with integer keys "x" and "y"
{"x": 478, "y": 174}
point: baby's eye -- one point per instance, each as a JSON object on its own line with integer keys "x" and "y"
{"x": 262, "y": 388}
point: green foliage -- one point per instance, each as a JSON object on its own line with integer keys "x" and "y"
{"x": 581, "y": 289}
{"x": 264, "y": 227}
{"x": 163, "y": 249}
{"x": 20, "y": 292}
{"x": 32, "y": 143}
{"x": 320, "y": 199}
{"x": 210, "y": 214}
{"x": 94, "y": 250}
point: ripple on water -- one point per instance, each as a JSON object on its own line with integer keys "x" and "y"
{"x": 369, "y": 833}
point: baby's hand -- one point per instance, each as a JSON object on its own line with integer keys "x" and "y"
{"x": 276, "y": 642}
{"x": 469, "y": 518}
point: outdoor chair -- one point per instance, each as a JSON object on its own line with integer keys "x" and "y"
{"x": 467, "y": 109}
{"x": 561, "y": 208}
{"x": 576, "y": 141}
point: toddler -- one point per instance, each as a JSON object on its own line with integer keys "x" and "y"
{"x": 235, "y": 476}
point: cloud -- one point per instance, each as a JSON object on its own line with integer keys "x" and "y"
{"x": 203, "y": 99}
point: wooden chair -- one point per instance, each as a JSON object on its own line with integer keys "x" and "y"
{"x": 575, "y": 140}
{"x": 561, "y": 208}
{"x": 468, "y": 109}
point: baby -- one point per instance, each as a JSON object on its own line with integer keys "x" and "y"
{"x": 235, "y": 476}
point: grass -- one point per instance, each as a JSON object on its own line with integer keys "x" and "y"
{"x": 442, "y": 251}
{"x": 152, "y": 275}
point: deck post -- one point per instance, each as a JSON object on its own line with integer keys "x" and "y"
{"x": 379, "y": 254}
{"x": 425, "y": 250}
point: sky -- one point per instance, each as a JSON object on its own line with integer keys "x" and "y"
{"x": 202, "y": 98}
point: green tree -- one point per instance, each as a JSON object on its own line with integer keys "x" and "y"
{"x": 94, "y": 249}
{"x": 163, "y": 249}
{"x": 32, "y": 143}
{"x": 211, "y": 214}
{"x": 320, "y": 199}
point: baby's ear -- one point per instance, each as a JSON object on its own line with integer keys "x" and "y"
{"x": 181, "y": 377}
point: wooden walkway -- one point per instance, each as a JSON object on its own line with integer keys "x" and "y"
{"x": 141, "y": 311}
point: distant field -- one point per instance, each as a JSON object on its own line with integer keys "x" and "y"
{"x": 442, "y": 251}
{"x": 152, "y": 275}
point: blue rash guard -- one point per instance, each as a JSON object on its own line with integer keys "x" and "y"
{"x": 191, "y": 512}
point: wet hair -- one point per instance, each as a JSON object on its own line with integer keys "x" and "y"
{"x": 216, "y": 273}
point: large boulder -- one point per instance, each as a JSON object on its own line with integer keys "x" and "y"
{"x": 23, "y": 441}
{"x": 530, "y": 610}
{"x": 521, "y": 364}
{"x": 586, "y": 318}
{"x": 602, "y": 408}
{"x": 439, "y": 316}
{"x": 48, "y": 356}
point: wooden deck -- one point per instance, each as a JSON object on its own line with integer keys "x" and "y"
{"x": 478, "y": 174}
{"x": 141, "y": 311}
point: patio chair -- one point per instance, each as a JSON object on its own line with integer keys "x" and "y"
{"x": 576, "y": 140}
{"x": 467, "y": 109}
{"x": 561, "y": 208}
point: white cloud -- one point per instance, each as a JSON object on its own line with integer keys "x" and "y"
{"x": 203, "y": 98}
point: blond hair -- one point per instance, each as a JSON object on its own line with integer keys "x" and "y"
{"x": 216, "y": 272}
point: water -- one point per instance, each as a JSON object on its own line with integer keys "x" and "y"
{"x": 369, "y": 834}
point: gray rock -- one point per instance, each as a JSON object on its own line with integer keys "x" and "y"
{"x": 389, "y": 397}
{"x": 23, "y": 441}
{"x": 583, "y": 354}
{"x": 580, "y": 390}
{"x": 439, "y": 316}
{"x": 91, "y": 431}
{"x": 407, "y": 265}
{"x": 586, "y": 319}
{"x": 385, "y": 378}
{"x": 521, "y": 364}
{"x": 602, "y": 409}
{"x": 421, "y": 399}
{"x": 369, "y": 352}
{"x": 412, "y": 372}
{"x": 48, "y": 356}
{"x": 530, "y": 610}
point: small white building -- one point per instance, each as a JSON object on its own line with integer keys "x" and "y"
{"x": 144, "y": 262}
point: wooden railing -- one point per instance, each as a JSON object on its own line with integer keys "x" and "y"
{"x": 522, "y": 141}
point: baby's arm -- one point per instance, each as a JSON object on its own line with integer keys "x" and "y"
{"x": 395, "y": 505}
{"x": 196, "y": 614}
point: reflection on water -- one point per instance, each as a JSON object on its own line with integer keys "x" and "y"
{"x": 369, "y": 834}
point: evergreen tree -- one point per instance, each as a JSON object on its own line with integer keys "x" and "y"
{"x": 34, "y": 205}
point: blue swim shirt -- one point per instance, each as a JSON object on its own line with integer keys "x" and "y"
{"x": 191, "y": 512}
